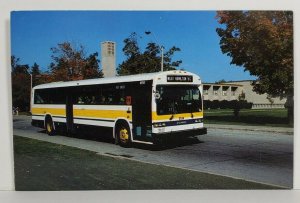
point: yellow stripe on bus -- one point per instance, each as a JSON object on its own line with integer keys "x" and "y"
{"x": 113, "y": 114}
{"x": 156, "y": 117}
{"x": 89, "y": 113}
{"x": 52, "y": 111}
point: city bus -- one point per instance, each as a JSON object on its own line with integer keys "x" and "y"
{"x": 141, "y": 108}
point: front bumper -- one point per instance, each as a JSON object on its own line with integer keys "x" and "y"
{"x": 182, "y": 133}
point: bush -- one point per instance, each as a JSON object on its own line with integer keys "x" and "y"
{"x": 215, "y": 104}
{"x": 206, "y": 104}
{"x": 224, "y": 104}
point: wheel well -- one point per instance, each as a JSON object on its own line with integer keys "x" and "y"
{"x": 123, "y": 122}
{"x": 48, "y": 118}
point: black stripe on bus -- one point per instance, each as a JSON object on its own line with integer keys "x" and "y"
{"x": 52, "y": 116}
{"x": 58, "y": 116}
{"x": 38, "y": 115}
{"x": 94, "y": 119}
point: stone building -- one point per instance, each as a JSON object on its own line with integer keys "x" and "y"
{"x": 235, "y": 90}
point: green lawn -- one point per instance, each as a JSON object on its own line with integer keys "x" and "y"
{"x": 264, "y": 117}
{"x": 45, "y": 166}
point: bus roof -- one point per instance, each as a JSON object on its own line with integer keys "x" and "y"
{"x": 117, "y": 79}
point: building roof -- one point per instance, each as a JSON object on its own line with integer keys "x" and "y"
{"x": 222, "y": 84}
{"x": 230, "y": 81}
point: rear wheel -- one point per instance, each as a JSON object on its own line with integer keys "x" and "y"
{"x": 49, "y": 126}
{"x": 123, "y": 135}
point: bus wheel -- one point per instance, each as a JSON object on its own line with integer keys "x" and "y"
{"x": 49, "y": 127}
{"x": 123, "y": 135}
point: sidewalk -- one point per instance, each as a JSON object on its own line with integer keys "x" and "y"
{"x": 252, "y": 128}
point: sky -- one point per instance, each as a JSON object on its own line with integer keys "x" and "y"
{"x": 33, "y": 33}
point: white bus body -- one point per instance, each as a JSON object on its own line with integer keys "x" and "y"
{"x": 138, "y": 108}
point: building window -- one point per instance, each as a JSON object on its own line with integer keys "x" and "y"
{"x": 224, "y": 93}
{"x": 216, "y": 90}
{"x": 205, "y": 89}
{"x": 233, "y": 91}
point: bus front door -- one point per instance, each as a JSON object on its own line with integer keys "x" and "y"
{"x": 141, "y": 111}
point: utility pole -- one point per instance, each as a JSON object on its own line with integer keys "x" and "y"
{"x": 162, "y": 58}
{"x": 161, "y": 51}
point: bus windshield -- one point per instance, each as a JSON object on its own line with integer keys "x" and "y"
{"x": 175, "y": 99}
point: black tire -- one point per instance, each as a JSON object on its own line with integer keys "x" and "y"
{"x": 123, "y": 135}
{"x": 49, "y": 127}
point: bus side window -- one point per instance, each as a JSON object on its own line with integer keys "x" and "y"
{"x": 93, "y": 100}
{"x": 120, "y": 96}
{"x": 102, "y": 99}
{"x": 122, "y": 101}
{"x": 111, "y": 95}
{"x": 80, "y": 100}
{"x": 107, "y": 94}
{"x": 110, "y": 100}
{"x": 87, "y": 100}
{"x": 38, "y": 99}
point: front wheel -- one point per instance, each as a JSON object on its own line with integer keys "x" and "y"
{"x": 123, "y": 135}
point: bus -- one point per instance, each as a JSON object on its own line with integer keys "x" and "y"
{"x": 143, "y": 108}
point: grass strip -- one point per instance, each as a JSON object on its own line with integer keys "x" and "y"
{"x": 43, "y": 166}
{"x": 260, "y": 117}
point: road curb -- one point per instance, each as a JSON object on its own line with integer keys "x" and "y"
{"x": 289, "y": 131}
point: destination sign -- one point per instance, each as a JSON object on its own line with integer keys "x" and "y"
{"x": 179, "y": 78}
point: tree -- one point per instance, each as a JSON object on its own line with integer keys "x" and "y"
{"x": 91, "y": 69}
{"x": 131, "y": 47}
{"x": 20, "y": 84}
{"x": 239, "y": 104}
{"x": 35, "y": 69}
{"x": 70, "y": 63}
{"x": 14, "y": 62}
{"x": 220, "y": 81}
{"x": 147, "y": 61}
{"x": 262, "y": 43}
{"x": 36, "y": 74}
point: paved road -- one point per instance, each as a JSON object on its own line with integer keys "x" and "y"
{"x": 265, "y": 157}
